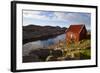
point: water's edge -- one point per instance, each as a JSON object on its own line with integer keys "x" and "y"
{"x": 41, "y": 43}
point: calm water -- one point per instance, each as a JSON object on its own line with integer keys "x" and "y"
{"x": 41, "y": 44}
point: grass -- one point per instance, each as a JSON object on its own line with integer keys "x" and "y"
{"x": 86, "y": 54}
{"x": 82, "y": 49}
{"x": 73, "y": 51}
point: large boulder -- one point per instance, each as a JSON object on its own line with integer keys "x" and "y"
{"x": 57, "y": 53}
{"x": 32, "y": 58}
{"x": 41, "y": 53}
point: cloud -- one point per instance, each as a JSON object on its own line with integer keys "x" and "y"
{"x": 71, "y": 16}
{"x": 60, "y": 16}
{"x": 44, "y": 15}
{"x": 56, "y": 18}
{"x": 33, "y": 15}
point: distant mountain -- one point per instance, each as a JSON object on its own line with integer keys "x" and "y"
{"x": 36, "y": 32}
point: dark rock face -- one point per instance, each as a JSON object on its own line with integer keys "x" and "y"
{"x": 38, "y": 55}
{"x": 32, "y": 58}
{"x": 57, "y": 53}
{"x": 34, "y": 32}
{"x": 41, "y": 53}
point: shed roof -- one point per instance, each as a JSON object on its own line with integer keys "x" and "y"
{"x": 75, "y": 28}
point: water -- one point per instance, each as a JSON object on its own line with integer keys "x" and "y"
{"x": 41, "y": 43}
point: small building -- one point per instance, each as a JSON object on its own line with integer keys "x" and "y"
{"x": 75, "y": 33}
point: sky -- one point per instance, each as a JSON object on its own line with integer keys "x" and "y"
{"x": 55, "y": 18}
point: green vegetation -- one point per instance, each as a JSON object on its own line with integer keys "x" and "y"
{"x": 86, "y": 54}
{"x": 74, "y": 51}
{"x": 80, "y": 50}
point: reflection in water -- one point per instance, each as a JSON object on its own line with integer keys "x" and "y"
{"x": 41, "y": 44}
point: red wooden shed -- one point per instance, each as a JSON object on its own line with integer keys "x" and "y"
{"x": 76, "y": 33}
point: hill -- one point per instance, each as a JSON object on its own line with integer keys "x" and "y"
{"x": 36, "y": 32}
